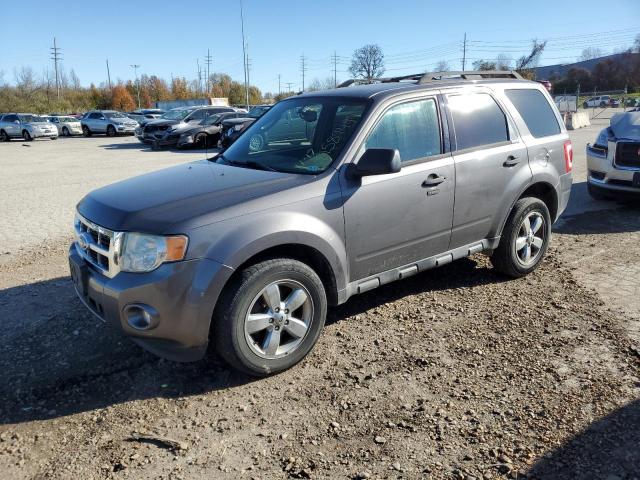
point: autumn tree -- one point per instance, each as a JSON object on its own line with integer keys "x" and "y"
{"x": 121, "y": 99}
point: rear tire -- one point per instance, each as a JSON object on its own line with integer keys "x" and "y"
{"x": 247, "y": 346}
{"x": 3, "y": 136}
{"x": 524, "y": 240}
{"x": 27, "y": 136}
{"x": 200, "y": 140}
{"x": 111, "y": 131}
{"x": 65, "y": 132}
{"x": 85, "y": 131}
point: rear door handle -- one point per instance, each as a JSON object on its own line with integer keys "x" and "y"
{"x": 511, "y": 161}
{"x": 433, "y": 180}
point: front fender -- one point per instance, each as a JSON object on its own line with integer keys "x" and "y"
{"x": 232, "y": 242}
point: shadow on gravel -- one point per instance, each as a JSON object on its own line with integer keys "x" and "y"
{"x": 59, "y": 360}
{"x": 607, "y": 449}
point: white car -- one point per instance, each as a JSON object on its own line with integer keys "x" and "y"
{"x": 601, "y": 101}
{"x": 613, "y": 161}
{"x": 66, "y": 125}
{"x": 26, "y": 126}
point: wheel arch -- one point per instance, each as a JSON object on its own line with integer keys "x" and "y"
{"x": 541, "y": 190}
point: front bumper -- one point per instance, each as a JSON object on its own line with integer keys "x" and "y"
{"x": 42, "y": 134}
{"x": 183, "y": 294}
{"x": 125, "y": 129}
{"x": 565, "y": 184}
{"x": 602, "y": 173}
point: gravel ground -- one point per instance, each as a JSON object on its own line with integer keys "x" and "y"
{"x": 455, "y": 373}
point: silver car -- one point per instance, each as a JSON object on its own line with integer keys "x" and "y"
{"x": 26, "y": 126}
{"x": 613, "y": 161}
{"x": 66, "y": 125}
{"x": 107, "y": 121}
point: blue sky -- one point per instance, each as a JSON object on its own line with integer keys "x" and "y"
{"x": 166, "y": 37}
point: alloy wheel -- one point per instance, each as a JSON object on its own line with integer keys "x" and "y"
{"x": 531, "y": 238}
{"x": 278, "y": 319}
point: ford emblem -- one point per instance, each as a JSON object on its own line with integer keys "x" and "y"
{"x": 84, "y": 240}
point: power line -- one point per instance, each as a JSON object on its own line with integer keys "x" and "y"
{"x": 207, "y": 60}
{"x": 303, "y": 68}
{"x": 56, "y": 56}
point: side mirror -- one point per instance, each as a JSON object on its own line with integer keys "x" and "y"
{"x": 377, "y": 161}
{"x": 17, "y": 122}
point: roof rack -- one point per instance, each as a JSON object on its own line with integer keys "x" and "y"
{"x": 421, "y": 78}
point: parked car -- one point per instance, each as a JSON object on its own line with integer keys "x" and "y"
{"x": 259, "y": 110}
{"x": 632, "y": 102}
{"x": 145, "y": 114}
{"x": 601, "y": 101}
{"x": 204, "y": 135}
{"x": 248, "y": 248}
{"x": 232, "y": 128}
{"x": 161, "y": 132}
{"x": 614, "y": 102}
{"x": 26, "y": 126}
{"x": 66, "y": 125}
{"x": 613, "y": 161}
{"x": 107, "y": 121}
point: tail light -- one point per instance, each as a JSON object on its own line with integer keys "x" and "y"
{"x": 568, "y": 156}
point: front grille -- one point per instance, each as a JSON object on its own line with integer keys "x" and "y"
{"x": 628, "y": 155}
{"x": 155, "y": 128}
{"x": 97, "y": 245}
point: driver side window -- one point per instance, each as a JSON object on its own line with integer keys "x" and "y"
{"x": 412, "y": 127}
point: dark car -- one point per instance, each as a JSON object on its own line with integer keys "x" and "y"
{"x": 205, "y": 135}
{"x": 165, "y": 132}
{"x": 232, "y": 128}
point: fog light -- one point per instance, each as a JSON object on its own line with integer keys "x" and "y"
{"x": 141, "y": 317}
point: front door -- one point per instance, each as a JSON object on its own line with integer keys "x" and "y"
{"x": 396, "y": 219}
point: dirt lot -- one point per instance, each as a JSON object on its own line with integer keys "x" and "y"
{"x": 456, "y": 373}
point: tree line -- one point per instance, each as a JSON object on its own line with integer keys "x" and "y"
{"x": 33, "y": 93}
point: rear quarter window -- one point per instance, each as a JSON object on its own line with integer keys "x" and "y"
{"x": 535, "y": 110}
{"x": 477, "y": 120}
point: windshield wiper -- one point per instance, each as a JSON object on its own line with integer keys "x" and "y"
{"x": 248, "y": 164}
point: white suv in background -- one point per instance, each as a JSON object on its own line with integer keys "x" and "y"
{"x": 601, "y": 101}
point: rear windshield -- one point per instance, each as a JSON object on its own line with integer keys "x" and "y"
{"x": 535, "y": 110}
{"x": 114, "y": 115}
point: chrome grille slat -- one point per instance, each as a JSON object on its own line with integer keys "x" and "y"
{"x": 100, "y": 249}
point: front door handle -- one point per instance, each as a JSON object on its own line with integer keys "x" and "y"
{"x": 511, "y": 161}
{"x": 433, "y": 180}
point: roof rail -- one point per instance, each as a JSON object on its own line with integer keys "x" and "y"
{"x": 436, "y": 76}
{"x": 469, "y": 75}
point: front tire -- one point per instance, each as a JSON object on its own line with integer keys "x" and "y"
{"x": 270, "y": 316}
{"x": 3, "y": 136}
{"x": 26, "y": 136}
{"x": 85, "y": 131}
{"x": 65, "y": 132}
{"x": 524, "y": 240}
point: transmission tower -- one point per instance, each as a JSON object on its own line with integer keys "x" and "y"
{"x": 56, "y": 56}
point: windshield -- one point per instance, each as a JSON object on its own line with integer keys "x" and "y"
{"x": 256, "y": 112}
{"x": 68, "y": 119}
{"x": 30, "y": 118}
{"x": 114, "y": 115}
{"x": 216, "y": 118}
{"x": 303, "y": 135}
{"x": 176, "y": 114}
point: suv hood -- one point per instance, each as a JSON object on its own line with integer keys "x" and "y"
{"x": 180, "y": 198}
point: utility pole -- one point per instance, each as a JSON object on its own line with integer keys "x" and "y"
{"x": 335, "y": 69}
{"x": 208, "y": 61}
{"x": 56, "y": 56}
{"x": 108, "y": 75}
{"x": 303, "y": 68}
{"x": 135, "y": 69}
{"x": 248, "y": 71}
{"x": 244, "y": 57}
{"x": 279, "y": 90}
{"x": 464, "y": 51}
{"x": 199, "y": 76}
{"x": 289, "y": 86}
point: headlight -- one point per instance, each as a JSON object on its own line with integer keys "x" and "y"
{"x": 142, "y": 253}
{"x": 603, "y": 139}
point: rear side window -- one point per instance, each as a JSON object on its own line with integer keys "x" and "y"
{"x": 412, "y": 128}
{"x": 536, "y": 112}
{"x": 477, "y": 120}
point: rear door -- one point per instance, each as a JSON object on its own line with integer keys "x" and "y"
{"x": 491, "y": 164}
{"x": 396, "y": 219}
{"x": 11, "y": 127}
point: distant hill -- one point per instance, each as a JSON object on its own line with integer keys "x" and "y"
{"x": 560, "y": 70}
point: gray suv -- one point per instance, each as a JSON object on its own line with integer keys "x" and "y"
{"x": 26, "y": 126}
{"x": 107, "y": 121}
{"x": 245, "y": 251}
